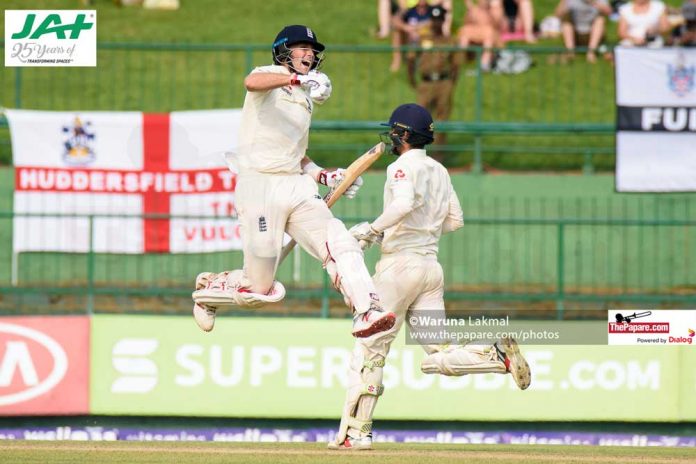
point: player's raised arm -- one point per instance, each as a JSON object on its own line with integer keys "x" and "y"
{"x": 317, "y": 84}
{"x": 261, "y": 81}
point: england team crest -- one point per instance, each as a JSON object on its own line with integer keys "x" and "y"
{"x": 681, "y": 77}
{"x": 78, "y": 143}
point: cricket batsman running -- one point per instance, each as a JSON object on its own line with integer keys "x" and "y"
{"x": 420, "y": 205}
{"x": 277, "y": 192}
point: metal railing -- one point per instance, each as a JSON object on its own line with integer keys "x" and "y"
{"x": 525, "y": 261}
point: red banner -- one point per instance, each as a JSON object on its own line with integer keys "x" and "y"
{"x": 44, "y": 365}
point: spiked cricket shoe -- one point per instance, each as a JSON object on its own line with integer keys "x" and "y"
{"x": 204, "y": 316}
{"x": 515, "y": 363}
{"x": 374, "y": 321}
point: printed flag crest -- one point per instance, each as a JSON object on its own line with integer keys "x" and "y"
{"x": 79, "y": 150}
{"x": 681, "y": 79}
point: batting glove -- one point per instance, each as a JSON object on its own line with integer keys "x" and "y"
{"x": 315, "y": 83}
{"x": 333, "y": 178}
{"x": 320, "y": 94}
{"x": 366, "y": 235}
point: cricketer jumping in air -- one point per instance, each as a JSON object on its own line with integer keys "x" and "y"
{"x": 277, "y": 192}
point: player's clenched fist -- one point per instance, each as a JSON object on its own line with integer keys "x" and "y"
{"x": 317, "y": 84}
{"x": 333, "y": 178}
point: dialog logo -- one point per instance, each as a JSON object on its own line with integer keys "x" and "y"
{"x": 31, "y": 363}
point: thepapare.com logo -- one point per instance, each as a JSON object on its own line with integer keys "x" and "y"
{"x": 50, "y": 38}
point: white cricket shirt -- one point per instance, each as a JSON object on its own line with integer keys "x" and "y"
{"x": 415, "y": 175}
{"x": 274, "y": 132}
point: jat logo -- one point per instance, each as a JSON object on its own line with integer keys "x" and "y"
{"x": 50, "y": 38}
{"x": 47, "y": 27}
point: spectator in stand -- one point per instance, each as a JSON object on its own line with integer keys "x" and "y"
{"x": 410, "y": 19}
{"x": 446, "y": 6}
{"x": 583, "y": 23}
{"x": 480, "y": 28}
{"x": 685, "y": 34}
{"x": 438, "y": 71}
{"x": 386, "y": 9}
{"x": 642, "y": 23}
{"x": 515, "y": 18}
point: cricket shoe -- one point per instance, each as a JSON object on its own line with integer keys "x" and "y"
{"x": 352, "y": 444}
{"x": 204, "y": 315}
{"x": 374, "y": 321}
{"x": 215, "y": 291}
{"x": 516, "y": 365}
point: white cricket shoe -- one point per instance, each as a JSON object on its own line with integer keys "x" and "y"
{"x": 374, "y": 321}
{"x": 515, "y": 363}
{"x": 352, "y": 444}
{"x": 204, "y": 315}
{"x": 204, "y": 279}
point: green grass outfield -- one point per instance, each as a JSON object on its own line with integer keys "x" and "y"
{"x": 28, "y": 452}
{"x": 211, "y": 453}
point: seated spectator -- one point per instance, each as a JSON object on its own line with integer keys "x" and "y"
{"x": 446, "y": 6}
{"x": 411, "y": 25}
{"x": 515, "y": 18}
{"x": 480, "y": 28}
{"x": 406, "y": 24}
{"x": 685, "y": 34}
{"x": 642, "y": 23}
{"x": 437, "y": 71}
{"x": 410, "y": 19}
{"x": 385, "y": 10}
{"x": 583, "y": 23}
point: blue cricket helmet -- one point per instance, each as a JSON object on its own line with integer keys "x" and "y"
{"x": 291, "y": 35}
{"x": 416, "y": 120}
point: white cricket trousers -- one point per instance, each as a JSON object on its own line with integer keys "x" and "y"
{"x": 270, "y": 204}
{"x": 408, "y": 284}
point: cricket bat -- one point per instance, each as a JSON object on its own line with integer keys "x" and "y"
{"x": 353, "y": 171}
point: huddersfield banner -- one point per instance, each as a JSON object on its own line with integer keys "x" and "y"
{"x": 129, "y": 170}
{"x": 656, "y": 120}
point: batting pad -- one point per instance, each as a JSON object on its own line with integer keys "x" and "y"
{"x": 355, "y": 280}
{"x": 461, "y": 360}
